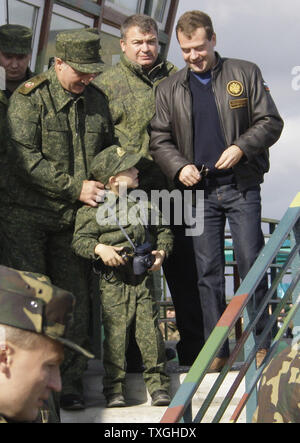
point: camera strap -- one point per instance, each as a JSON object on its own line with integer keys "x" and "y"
{"x": 142, "y": 222}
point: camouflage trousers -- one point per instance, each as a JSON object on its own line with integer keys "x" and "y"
{"x": 126, "y": 303}
{"x": 37, "y": 242}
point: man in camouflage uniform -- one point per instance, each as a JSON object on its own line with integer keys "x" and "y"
{"x": 34, "y": 317}
{"x": 58, "y": 122}
{"x": 15, "y": 55}
{"x": 125, "y": 296}
{"x": 279, "y": 391}
{"x": 130, "y": 89}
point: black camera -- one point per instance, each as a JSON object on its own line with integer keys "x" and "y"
{"x": 143, "y": 258}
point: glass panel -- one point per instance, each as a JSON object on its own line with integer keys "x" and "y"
{"x": 20, "y": 13}
{"x": 131, "y": 5}
{"x": 110, "y": 49}
{"x": 158, "y": 11}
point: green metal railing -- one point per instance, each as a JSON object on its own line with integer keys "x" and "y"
{"x": 180, "y": 408}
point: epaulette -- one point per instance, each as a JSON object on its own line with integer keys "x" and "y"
{"x": 32, "y": 84}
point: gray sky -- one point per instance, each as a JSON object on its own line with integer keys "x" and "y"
{"x": 266, "y": 32}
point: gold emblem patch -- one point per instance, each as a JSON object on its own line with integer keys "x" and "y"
{"x": 121, "y": 152}
{"x": 235, "y": 88}
{"x": 29, "y": 85}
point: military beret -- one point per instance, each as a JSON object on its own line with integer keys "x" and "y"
{"x": 30, "y": 302}
{"x": 80, "y": 49}
{"x": 111, "y": 161}
{"x": 15, "y": 39}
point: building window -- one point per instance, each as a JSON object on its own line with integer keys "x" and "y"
{"x": 127, "y": 6}
{"x": 110, "y": 45}
{"x": 158, "y": 9}
{"x": 21, "y": 13}
{"x": 30, "y": 14}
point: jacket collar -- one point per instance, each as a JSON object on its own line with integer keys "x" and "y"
{"x": 60, "y": 96}
{"x": 186, "y": 71}
{"x": 152, "y": 75}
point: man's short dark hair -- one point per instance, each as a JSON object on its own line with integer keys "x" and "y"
{"x": 144, "y": 22}
{"x": 191, "y": 21}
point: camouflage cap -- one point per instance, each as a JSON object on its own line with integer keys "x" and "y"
{"x": 80, "y": 49}
{"x": 15, "y": 39}
{"x": 111, "y": 161}
{"x": 29, "y": 301}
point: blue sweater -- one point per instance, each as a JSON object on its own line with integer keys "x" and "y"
{"x": 209, "y": 142}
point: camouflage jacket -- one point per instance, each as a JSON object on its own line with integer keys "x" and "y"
{"x": 279, "y": 391}
{"x": 3, "y": 139}
{"x": 3, "y": 109}
{"x": 54, "y": 135}
{"x": 131, "y": 97}
{"x": 89, "y": 233}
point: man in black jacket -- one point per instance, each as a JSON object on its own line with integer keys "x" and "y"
{"x": 218, "y": 113}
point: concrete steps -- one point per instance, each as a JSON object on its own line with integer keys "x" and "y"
{"x": 139, "y": 409}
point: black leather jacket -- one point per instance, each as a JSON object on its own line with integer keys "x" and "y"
{"x": 248, "y": 116}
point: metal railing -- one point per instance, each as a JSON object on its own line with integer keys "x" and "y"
{"x": 180, "y": 408}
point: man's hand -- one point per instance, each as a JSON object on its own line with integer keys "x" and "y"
{"x": 92, "y": 193}
{"x": 159, "y": 258}
{"x": 230, "y": 157}
{"x": 190, "y": 176}
{"x": 109, "y": 255}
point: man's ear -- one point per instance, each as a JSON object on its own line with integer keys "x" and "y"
{"x": 112, "y": 181}
{"x": 6, "y": 352}
{"x": 123, "y": 45}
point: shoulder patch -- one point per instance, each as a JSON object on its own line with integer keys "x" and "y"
{"x": 32, "y": 84}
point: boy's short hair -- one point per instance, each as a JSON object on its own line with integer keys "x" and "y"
{"x": 189, "y": 22}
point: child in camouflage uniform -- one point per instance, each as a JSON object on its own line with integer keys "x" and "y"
{"x": 125, "y": 297}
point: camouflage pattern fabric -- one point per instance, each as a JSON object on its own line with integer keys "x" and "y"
{"x": 3, "y": 136}
{"x": 80, "y": 50}
{"x": 54, "y": 136}
{"x": 88, "y": 233}
{"x": 125, "y": 297}
{"x": 131, "y": 97}
{"x": 15, "y": 39}
{"x": 111, "y": 161}
{"x": 122, "y": 304}
{"x": 279, "y": 391}
{"x": 30, "y": 302}
{"x": 36, "y": 241}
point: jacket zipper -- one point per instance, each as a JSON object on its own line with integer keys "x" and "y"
{"x": 219, "y": 110}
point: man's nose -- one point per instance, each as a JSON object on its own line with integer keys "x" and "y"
{"x": 145, "y": 47}
{"x": 14, "y": 62}
{"x": 55, "y": 383}
{"x": 88, "y": 79}
{"x": 194, "y": 54}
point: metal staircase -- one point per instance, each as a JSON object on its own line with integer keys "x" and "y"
{"x": 180, "y": 409}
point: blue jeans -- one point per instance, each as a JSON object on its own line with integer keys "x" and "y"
{"x": 243, "y": 212}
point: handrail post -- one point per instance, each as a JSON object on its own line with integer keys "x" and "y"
{"x": 249, "y": 345}
{"x": 295, "y": 239}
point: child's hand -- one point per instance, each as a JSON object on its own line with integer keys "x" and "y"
{"x": 109, "y": 255}
{"x": 159, "y": 258}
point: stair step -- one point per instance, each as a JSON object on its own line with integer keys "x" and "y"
{"x": 139, "y": 409}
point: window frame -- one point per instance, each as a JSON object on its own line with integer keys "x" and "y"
{"x": 40, "y": 4}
